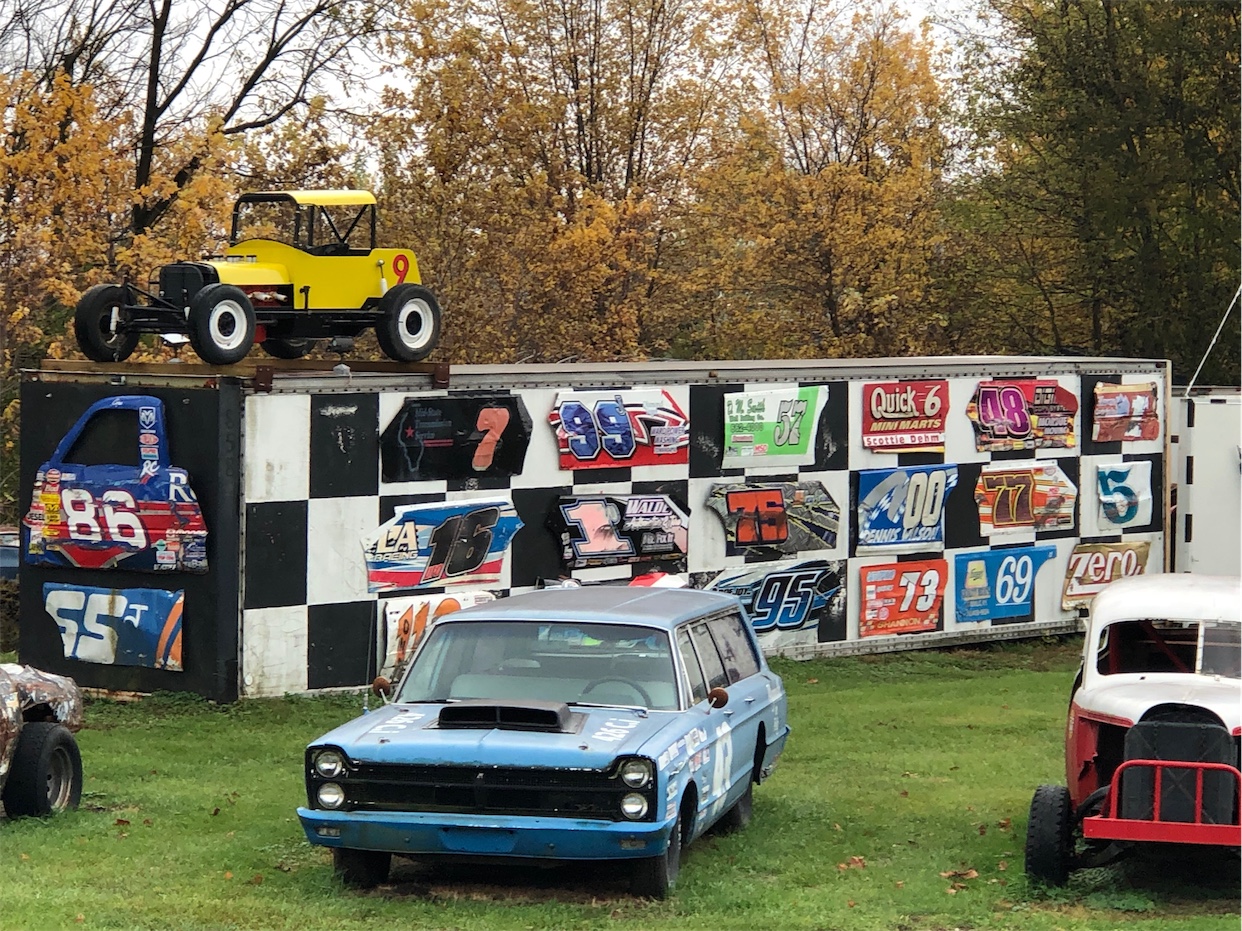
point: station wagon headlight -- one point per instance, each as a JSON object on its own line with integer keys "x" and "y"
{"x": 331, "y": 795}
{"x": 329, "y": 763}
{"x": 634, "y": 806}
{"x": 636, "y": 773}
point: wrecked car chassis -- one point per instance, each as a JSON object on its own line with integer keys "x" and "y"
{"x": 40, "y": 766}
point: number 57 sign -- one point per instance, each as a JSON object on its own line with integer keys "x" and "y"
{"x": 902, "y": 597}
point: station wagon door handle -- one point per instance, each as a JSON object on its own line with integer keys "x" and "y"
{"x": 750, "y": 699}
{"x": 728, "y": 712}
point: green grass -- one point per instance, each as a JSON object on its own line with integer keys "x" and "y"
{"x": 900, "y": 768}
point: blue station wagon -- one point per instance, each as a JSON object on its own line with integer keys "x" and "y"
{"x": 568, "y": 724}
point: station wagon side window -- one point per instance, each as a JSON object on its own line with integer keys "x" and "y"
{"x": 713, "y": 668}
{"x": 735, "y": 647}
{"x": 694, "y": 673}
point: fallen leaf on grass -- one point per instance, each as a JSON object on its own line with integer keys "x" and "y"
{"x": 849, "y": 902}
{"x": 855, "y": 863}
{"x": 812, "y": 682}
{"x": 228, "y": 874}
{"x": 900, "y": 884}
{"x": 25, "y": 856}
{"x": 1003, "y": 824}
{"x": 146, "y": 821}
{"x": 256, "y": 879}
{"x": 120, "y": 821}
{"x": 1003, "y": 865}
{"x": 904, "y": 794}
{"x": 284, "y": 867}
{"x": 122, "y": 835}
{"x": 837, "y": 827}
{"x": 79, "y": 917}
{"x": 961, "y": 874}
{"x": 983, "y": 829}
{"x": 215, "y": 811}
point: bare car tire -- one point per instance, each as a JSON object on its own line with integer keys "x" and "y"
{"x": 221, "y": 324}
{"x": 92, "y": 324}
{"x": 1049, "y": 836}
{"x": 409, "y": 325}
{"x": 655, "y": 877}
{"x": 361, "y": 869}
{"x": 280, "y": 347}
{"x": 45, "y": 776}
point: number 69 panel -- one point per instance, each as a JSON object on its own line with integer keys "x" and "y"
{"x": 104, "y": 515}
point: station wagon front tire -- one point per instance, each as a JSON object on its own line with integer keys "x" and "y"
{"x": 45, "y": 776}
{"x": 409, "y": 325}
{"x": 92, "y": 324}
{"x": 221, "y": 324}
{"x": 361, "y": 869}
{"x": 655, "y": 877}
{"x": 1049, "y": 836}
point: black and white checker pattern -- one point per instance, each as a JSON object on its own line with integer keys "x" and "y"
{"x": 312, "y": 490}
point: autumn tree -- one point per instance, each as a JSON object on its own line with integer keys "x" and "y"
{"x": 536, "y": 153}
{"x": 188, "y": 73}
{"x": 811, "y": 229}
{"x": 1106, "y": 220}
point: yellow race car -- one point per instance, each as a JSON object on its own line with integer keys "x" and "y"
{"x": 301, "y": 266}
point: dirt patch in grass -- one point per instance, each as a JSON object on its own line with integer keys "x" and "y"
{"x": 594, "y": 884}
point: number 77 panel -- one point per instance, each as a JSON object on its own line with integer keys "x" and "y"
{"x": 1022, "y": 497}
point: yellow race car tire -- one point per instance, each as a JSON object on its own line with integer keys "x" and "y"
{"x": 221, "y": 324}
{"x": 409, "y": 325}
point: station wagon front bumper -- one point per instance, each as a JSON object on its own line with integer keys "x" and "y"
{"x": 428, "y": 833}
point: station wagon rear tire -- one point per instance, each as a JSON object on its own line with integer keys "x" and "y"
{"x": 361, "y": 869}
{"x": 409, "y": 325}
{"x": 280, "y": 347}
{"x": 655, "y": 877}
{"x": 221, "y": 324}
{"x": 1049, "y": 836}
{"x": 737, "y": 817}
{"x": 92, "y": 324}
{"x": 45, "y": 776}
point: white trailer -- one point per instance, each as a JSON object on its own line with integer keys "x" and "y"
{"x": 1207, "y": 429}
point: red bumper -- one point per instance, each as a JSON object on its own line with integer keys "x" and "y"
{"x": 1108, "y": 826}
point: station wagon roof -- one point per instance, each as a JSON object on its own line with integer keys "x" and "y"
{"x": 1170, "y": 595}
{"x": 316, "y": 198}
{"x": 611, "y": 604}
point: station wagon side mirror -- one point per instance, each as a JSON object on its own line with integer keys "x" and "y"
{"x": 381, "y": 687}
{"x": 718, "y": 697}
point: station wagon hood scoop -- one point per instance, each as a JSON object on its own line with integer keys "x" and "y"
{"x": 530, "y": 715}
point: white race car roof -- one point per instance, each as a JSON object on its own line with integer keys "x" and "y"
{"x": 1170, "y": 595}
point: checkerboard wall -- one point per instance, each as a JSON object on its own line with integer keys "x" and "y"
{"x": 313, "y": 488}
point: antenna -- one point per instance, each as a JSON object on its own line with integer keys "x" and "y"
{"x": 1212, "y": 344}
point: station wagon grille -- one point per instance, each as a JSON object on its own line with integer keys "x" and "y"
{"x": 484, "y": 790}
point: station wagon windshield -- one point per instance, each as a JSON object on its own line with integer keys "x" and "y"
{"x": 576, "y": 663}
{"x": 1212, "y": 648}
